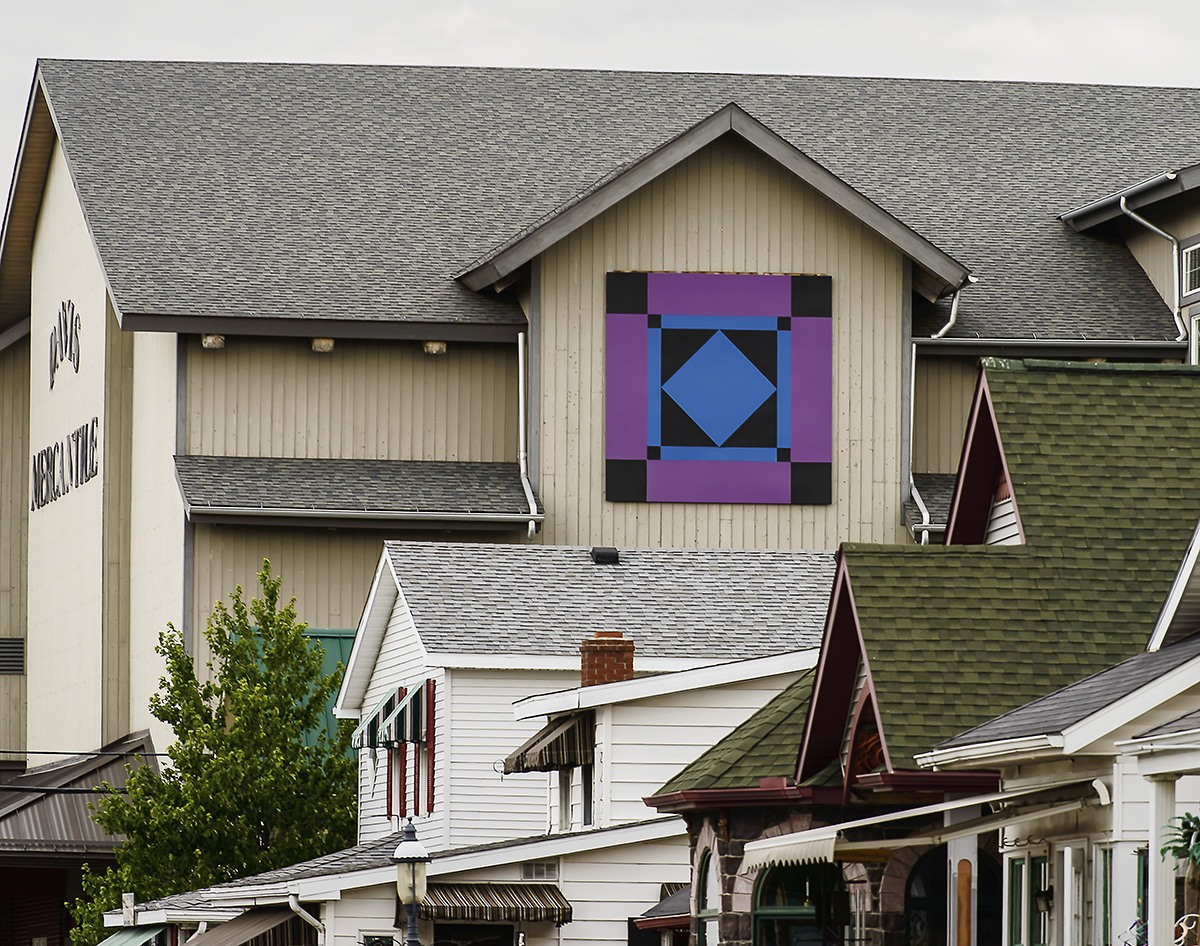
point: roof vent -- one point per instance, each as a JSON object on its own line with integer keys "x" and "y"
{"x": 605, "y": 555}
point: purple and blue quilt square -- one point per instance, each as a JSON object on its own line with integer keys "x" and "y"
{"x": 718, "y": 388}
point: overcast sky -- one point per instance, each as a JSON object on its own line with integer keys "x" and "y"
{"x": 1109, "y": 41}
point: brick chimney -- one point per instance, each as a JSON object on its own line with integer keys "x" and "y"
{"x": 606, "y": 658}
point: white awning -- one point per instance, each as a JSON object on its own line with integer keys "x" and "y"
{"x": 828, "y": 844}
{"x": 243, "y": 928}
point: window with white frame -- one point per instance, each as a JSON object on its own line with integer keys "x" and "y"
{"x": 1102, "y": 895}
{"x": 1189, "y": 269}
{"x": 708, "y": 903}
{"x": 1028, "y": 899}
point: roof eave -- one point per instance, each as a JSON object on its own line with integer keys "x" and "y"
{"x": 358, "y": 519}
{"x": 941, "y": 273}
{"x": 994, "y": 753}
{"x": 1142, "y": 194}
{"x": 367, "y": 329}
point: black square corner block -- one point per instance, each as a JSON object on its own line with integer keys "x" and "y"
{"x": 812, "y": 484}
{"x": 625, "y": 293}
{"x": 812, "y": 297}
{"x": 625, "y": 481}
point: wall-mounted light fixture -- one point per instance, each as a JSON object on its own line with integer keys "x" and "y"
{"x": 434, "y": 347}
{"x": 212, "y": 341}
{"x": 1044, "y": 899}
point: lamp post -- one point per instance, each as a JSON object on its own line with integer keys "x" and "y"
{"x": 411, "y": 859}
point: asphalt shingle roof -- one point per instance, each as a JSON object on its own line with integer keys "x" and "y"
{"x": 764, "y": 746}
{"x": 358, "y": 192}
{"x": 355, "y": 487}
{"x": 523, "y": 599}
{"x": 1185, "y": 723}
{"x": 986, "y": 629}
{"x": 1062, "y": 709}
{"x": 366, "y": 856}
{"x": 937, "y": 492}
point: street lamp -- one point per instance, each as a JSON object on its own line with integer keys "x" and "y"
{"x": 411, "y": 858}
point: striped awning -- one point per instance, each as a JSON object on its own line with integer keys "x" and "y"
{"x": 531, "y": 903}
{"x": 132, "y": 936}
{"x": 242, "y": 929}
{"x": 561, "y": 744}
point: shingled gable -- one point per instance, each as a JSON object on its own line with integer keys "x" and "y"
{"x": 938, "y": 274}
{"x": 501, "y": 606}
{"x": 953, "y": 636}
{"x": 1093, "y": 453}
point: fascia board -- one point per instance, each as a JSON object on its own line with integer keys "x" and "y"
{"x": 458, "y": 660}
{"x": 996, "y": 751}
{"x": 682, "y": 681}
{"x": 1179, "y": 586}
{"x": 1108, "y": 720}
{"x": 368, "y": 639}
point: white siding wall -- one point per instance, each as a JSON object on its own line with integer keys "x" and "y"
{"x": 1002, "y": 528}
{"x": 369, "y": 910}
{"x": 650, "y": 740}
{"x": 401, "y": 661}
{"x": 485, "y": 805}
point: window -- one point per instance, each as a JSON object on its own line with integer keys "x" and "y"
{"x": 585, "y": 773}
{"x": 1103, "y": 895}
{"x": 708, "y": 903}
{"x": 1026, "y": 923}
{"x": 1189, "y": 269}
{"x": 564, "y": 799}
{"x": 539, "y": 870}
{"x": 804, "y": 905}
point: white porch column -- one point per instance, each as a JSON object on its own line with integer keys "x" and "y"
{"x": 1160, "y": 906}
{"x": 963, "y": 857}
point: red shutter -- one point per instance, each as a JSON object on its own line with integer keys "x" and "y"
{"x": 430, "y": 729}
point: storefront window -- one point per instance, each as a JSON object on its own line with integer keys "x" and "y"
{"x": 805, "y": 905}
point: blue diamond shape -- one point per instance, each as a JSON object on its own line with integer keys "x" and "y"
{"x": 719, "y": 388}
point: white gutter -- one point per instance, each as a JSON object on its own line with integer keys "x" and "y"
{"x": 1175, "y": 307}
{"x": 996, "y": 749}
{"x": 294, "y": 903}
{"x": 925, "y": 523}
{"x": 522, "y": 438}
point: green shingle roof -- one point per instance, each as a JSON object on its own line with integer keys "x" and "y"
{"x": 1099, "y": 455}
{"x": 764, "y": 746}
{"x": 958, "y": 635}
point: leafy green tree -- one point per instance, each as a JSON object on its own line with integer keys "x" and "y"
{"x": 242, "y": 792}
{"x": 1183, "y": 844}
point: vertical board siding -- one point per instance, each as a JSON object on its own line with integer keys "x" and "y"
{"x": 117, "y": 475}
{"x": 364, "y": 400}
{"x": 485, "y": 805}
{"x": 14, "y": 531}
{"x": 329, "y": 572}
{"x": 944, "y": 391}
{"x": 652, "y": 739}
{"x": 727, "y": 208}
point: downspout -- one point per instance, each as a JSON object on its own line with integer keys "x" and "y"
{"x": 522, "y": 434}
{"x": 294, "y": 903}
{"x": 923, "y": 528}
{"x": 1175, "y": 306}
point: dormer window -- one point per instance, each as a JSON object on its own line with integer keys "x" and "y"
{"x": 1189, "y": 270}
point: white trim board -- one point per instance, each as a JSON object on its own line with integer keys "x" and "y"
{"x": 680, "y": 681}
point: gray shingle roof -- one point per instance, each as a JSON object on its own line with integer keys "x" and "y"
{"x": 1186, "y": 723}
{"x": 354, "y": 487}
{"x": 357, "y": 192}
{"x": 523, "y": 599}
{"x": 1058, "y": 711}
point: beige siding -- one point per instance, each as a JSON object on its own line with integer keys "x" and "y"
{"x": 1182, "y": 220}
{"x": 14, "y": 527}
{"x": 364, "y": 400}
{"x": 329, "y": 572}
{"x": 117, "y": 471}
{"x": 727, "y": 208}
{"x": 157, "y": 523}
{"x": 944, "y": 390}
